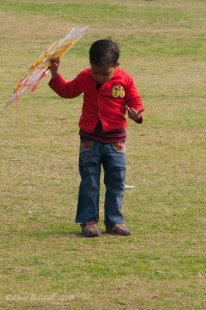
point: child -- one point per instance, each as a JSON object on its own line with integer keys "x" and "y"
{"x": 108, "y": 93}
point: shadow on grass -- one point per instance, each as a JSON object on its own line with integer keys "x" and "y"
{"x": 52, "y": 231}
{"x": 72, "y": 231}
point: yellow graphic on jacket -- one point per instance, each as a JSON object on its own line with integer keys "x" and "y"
{"x": 118, "y": 91}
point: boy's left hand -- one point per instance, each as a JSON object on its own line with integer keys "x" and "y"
{"x": 134, "y": 114}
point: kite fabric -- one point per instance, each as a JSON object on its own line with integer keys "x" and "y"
{"x": 39, "y": 68}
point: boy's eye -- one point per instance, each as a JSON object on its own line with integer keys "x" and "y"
{"x": 102, "y": 74}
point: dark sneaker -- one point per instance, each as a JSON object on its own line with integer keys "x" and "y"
{"x": 118, "y": 229}
{"x": 90, "y": 230}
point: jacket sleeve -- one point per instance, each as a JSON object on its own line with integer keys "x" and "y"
{"x": 133, "y": 99}
{"x": 66, "y": 89}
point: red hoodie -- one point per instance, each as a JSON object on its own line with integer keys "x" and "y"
{"x": 106, "y": 104}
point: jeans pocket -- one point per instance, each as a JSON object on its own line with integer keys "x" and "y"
{"x": 120, "y": 147}
{"x": 86, "y": 146}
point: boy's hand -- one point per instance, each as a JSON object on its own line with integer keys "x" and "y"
{"x": 134, "y": 114}
{"x": 54, "y": 66}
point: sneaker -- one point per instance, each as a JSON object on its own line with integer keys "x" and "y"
{"x": 118, "y": 229}
{"x": 90, "y": 230}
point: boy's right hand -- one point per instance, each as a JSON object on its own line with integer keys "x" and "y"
{"x": 54, "y": 66}
{"x": 133, "y": 114}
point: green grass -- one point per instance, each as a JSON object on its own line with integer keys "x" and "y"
{"x": 46, "y": 264}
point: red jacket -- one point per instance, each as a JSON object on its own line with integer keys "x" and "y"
{"x": 107, "y": 103}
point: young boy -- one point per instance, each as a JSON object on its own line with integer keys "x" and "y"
{"x": 108, "y": 93}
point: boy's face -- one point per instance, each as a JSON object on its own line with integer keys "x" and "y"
{"x": 102, "y": 74}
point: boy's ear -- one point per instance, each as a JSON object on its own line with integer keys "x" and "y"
{"x": 117, "y": 65}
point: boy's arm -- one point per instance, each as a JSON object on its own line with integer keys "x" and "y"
{"x": 65, "y": 89}
{"x": 59, "y": 85}
{"x": 134, "y": 103}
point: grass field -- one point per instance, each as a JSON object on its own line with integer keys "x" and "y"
{"x": 46, "y": 264}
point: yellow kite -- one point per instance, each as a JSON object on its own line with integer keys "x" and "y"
{"x": 40, "y": 67}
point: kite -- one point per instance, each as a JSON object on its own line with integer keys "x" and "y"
{"x": 40, "y": 67}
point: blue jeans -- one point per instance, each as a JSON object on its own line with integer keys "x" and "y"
{"x": 92, "y": 156}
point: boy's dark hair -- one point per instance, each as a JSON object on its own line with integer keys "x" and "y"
{"x": 104, "y": 53}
